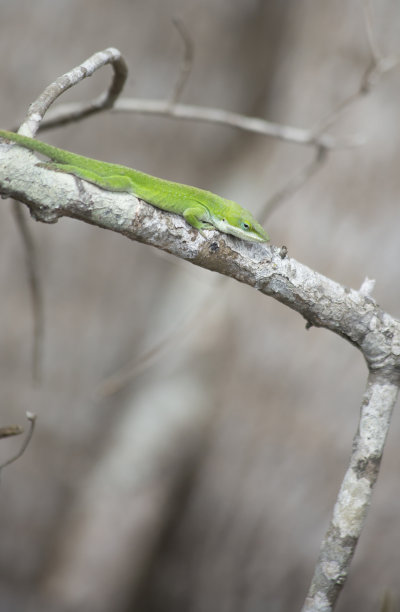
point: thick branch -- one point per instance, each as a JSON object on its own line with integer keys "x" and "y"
{"x": 321, "y": 301}
{"x": 354, "y": 498}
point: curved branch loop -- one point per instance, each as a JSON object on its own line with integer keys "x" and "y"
{"x": 105, "y": 100}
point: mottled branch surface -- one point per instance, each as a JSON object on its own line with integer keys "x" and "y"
{"x": 338, "y": 546}
{"x": 321, "y": 301}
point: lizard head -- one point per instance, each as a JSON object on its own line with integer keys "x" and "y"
{"x": 240, "y": 222}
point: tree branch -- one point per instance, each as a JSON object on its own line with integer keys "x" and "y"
{"x": 187, "y": 60}
{"x": 354, "y": 498}
{"x": 322, "y": 302}
{"x": 107, "y": 99}
{"x": 32, "y": 421}
{"x": 65, "y": 113}
{"x": 35, "y": 289}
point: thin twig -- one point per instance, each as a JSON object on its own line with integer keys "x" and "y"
{"x": 331, "y": 118}
{"x": 125, "y": 375}
{"x": 34, "y": 287}
{"x": 187, "y": 60}
{"x": 378, "y": 66}
{"x": 376, "y": 52}
{"x": 190, "y": 112}
{"x": 295, "y": 183}
{"x": 369, "y": 79}
{"x": 32, "y": 420}
{"x": 104, "y": 101}
{"x": 119, "y": 379}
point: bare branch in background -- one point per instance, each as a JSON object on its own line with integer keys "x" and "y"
{"x": 127, "y": 373}
{"x": 32, "y": 420}
{"x": 187, "y": 60}
{"x": 295, "y": 183}
{"x": 191, "y": 112}
{"x": 118, "y": 380}
{"x": 32, "y": 269}
{"x": 378, "y": 66}
{"x": 376, "y": 52}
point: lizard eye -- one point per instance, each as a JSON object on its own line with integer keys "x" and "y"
{"x": 245, "y": 226}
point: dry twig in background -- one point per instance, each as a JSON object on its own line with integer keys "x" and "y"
{"x": 17, "y": 430}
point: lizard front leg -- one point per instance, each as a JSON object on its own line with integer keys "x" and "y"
{"x": 198, "y": 217}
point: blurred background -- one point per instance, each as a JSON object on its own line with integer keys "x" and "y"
{"x": 206, "y": 481}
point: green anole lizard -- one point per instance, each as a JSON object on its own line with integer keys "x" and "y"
{"x": 201, "y": 209}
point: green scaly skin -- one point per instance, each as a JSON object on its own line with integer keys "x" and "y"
{"x": 201, "y": 209}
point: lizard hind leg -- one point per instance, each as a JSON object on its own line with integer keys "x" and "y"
{"x": 109, "y": 183}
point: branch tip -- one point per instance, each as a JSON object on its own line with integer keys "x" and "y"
{"x": 31, "y": 416}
